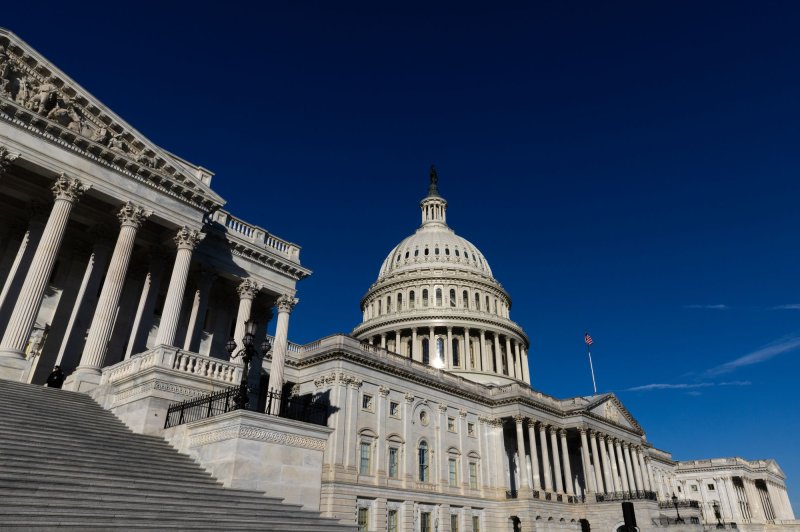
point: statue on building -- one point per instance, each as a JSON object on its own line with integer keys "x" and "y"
{"x": 101, "y": 136}
{"x": 118, "y": 144}
{"x": 46, "y": 96}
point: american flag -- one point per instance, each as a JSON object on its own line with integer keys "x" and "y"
{"x": 587, "y": 339}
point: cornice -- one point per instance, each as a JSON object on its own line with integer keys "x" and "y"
{"x": 407, "y": 319}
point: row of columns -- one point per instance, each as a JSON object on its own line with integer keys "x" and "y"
{"x": 485, "y": 358}
{"x": 614, "y": 465}
{"x": 388, "y": 304}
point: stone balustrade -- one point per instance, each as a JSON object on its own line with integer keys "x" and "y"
{"x": 215, "y": 370}
{"x": 257, "y": 235}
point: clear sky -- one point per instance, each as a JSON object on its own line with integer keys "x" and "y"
{"x": 626, "y": 167}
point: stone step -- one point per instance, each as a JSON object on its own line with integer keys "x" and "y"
{"x": 91, "y": 423}
{"x": 80, "y": 467}
{"x": 78, "y": 439}
{"x": 112, "y": 525}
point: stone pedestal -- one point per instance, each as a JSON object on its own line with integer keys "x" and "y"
{"x": 255, "y": 451}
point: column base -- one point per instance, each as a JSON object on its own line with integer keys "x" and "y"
{"x": 13, "y": 365}
{"x": 83, "y": 380}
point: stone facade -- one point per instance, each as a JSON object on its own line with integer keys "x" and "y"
{"x": 119, "y": 263}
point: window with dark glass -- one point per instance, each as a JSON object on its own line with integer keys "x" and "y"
{"x": 426, "y": 356}
{"x": 452, "y": 298}
{"x": 453, "y": 522}
{"x": 423, "y": 462}
{"x": 363, "y": 519}
{"x": 438, "y": 297}
{"x": 364, "y": 463}
{"x": 425, "y": 522}
{"x": 391, "y": 521}
{"x": 411, "y": 299}
{"x": 425, "y": 298}
{"x": 394, "y": 454}
{"x": 456, "y": 357}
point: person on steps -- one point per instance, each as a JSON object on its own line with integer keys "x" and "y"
{"x": 56, "y": 378}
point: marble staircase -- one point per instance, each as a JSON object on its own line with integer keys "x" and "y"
{"x": 68, "y": 464}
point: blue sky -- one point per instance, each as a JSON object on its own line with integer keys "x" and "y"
{"x": 629, "y": 168}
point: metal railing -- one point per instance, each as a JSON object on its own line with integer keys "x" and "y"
{"x": 304, "y": 408}
{"x": 202, "y": 407}
{"x": 683, "y": 503}
{"x": 626, "y": 496}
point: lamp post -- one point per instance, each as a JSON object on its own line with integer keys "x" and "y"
{"x": 675, "y": 502}
{"x": 717, "y": 514}
{"x": 247, "y": 353}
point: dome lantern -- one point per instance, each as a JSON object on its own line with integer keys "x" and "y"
{"x": 434, "y": 207}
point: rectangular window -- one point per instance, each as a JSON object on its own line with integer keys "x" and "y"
{"x": 473, "y": 475}
{"x": 391, "y": 521}
{"x": 425, "y": 522}
{"x": 453, "y": 523}
{"x": 364, "y": 464}
{"x": 394, "y": 409}
{"x": 393, "y": 460}
{"x": 363, "y": 519}
{"x": 451, "y": 424}
{"x": 694, "y": 488}
{"x": 471, "y": 429}
{"x": 366, "y": 402}
{"x": 711, "y": 487}
{"x": 476, "y": 523}
{"x": 451, "y": 463}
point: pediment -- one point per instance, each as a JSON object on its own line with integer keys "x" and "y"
{"x": 612, "y": 410}
{"x": 37, "y": 94}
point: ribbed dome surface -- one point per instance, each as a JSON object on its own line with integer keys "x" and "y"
{"x": 432, "y": 246}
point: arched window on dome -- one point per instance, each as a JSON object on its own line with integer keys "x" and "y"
{"x": 457, "y": 255}
{"x": 440, "y": 352}
{"x": 411, "y": 302}
{"x": 407, "y": 252}
{"x": 380, "y": 307}
{"x": 452, "y": 297}
{"x": 447, "y": 251}
{"x": 465, "y": 298}
{"x": 416, "y": 253}
{"x": 438, "y": 297}
{"x": 388, "y": 304}
{"x": 426, "y": 356}
{"x": 399, "y": 302}
{"x": 398, "y": 258}
{"x": 477, "y": 301}
{"x": 487, "y": 308}
{"x": 456, "y": 355}
{"x": 436, "y": 251}
{"x": 425, "y": 298}
{"x": 426, "y": 251}
{"x": 424, "y": 462}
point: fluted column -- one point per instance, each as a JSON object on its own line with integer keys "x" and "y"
{"x": 285, "y": 304}
{"x": 247, "y": 291}
{"x": 649, "y": 471}
{"x": 537, "y": 484}
{"x": 548, "y": 478}
{"x": 147, "y": 301}
{"x": 498, "y": 354}
{"x": 588, "y": 472}
{"x": 518, "y": 361}
{"x": 398, "y": 345}
{"x": 643, "y": 469}
{"x": 383, "y": 340}
{"x": 616, "y": 466}
{"x": 522, "y": 461}
{"x": 449, "y": 349}
{"x": 598, "y": 468}
{"x": 556, "y": 460}
{"x": 186, "y": 240}
{"x": 414, "y": 349}
{"x": 526, "y": 370}
{"x": 466, "y": 351}
{"x": 567, "y": 466}
{"x": 486, "y": 367}
{"x": 511, "y": 363}
{"x": 611, "y": 484}
{"x": 199, "y": 309}
{"x": 67, "y": 192}
{"x": 637, "y": 470}
{"x": 432, "y": 347}
{"x": 626, "y": 449}
{"x": 131, "y": 219}
{"x": 28, "y": 240}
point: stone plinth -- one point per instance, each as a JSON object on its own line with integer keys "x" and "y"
{"x": 254, "y": 451}
{"x": 139, "y": 390}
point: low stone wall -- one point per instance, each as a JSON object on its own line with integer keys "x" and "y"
{"x": 253, "y": 451}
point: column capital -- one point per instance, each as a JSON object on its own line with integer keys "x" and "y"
{"x": 384, "y": 391}
{"x": 68, "y": 188}
{"x": 286, "y": 303}
{"x": 442, "y": 408}
{"x": 583, "y": 431}
{"x": 519, "y": 419}
{"x": 6, "y": 158}
{"x": 552, "y": 429}
{"x": 462, "y": 413}
{"x": 355, "y": 383}
{"x": 409, "y": 397}
{"x": 188, "y": 238}
{"x": 532, "y": 421}
{"x": 133, "y": 215}
{"x": 562, "y": 432}
{"x": 247, "y": 289}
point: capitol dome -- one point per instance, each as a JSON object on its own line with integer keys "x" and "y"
{"x": 436, "y": 301}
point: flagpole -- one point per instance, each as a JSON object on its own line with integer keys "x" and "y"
{"x": 591, "y": 366}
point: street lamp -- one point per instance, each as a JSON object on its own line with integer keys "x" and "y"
{"x": 675, "y": 502}
{"x": 247, "y": 353}
{"x": 717, "y": 514}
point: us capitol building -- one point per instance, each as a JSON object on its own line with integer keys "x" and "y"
{"x": 119, "y": 263}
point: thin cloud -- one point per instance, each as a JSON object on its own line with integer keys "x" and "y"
{"x": 767, "y": 352}
{"x": 685, "y": 386}
{"x": 709, "y": 307}
{"x": 790, "y": 306}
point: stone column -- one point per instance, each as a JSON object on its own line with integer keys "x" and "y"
{"x": 383, "y": 340}
{"x": 449, "y": 349}
{"x": 67, "y": 192}
{"x": 643, "y": 469}
{"x": 352, "y": 415}
{"x": 199, "y": 309}
{"x": 147, "y": 300}
{"x": 414, "y": 349}
{"x": 467, "y": 351}
{"x": 410, "y": 451}
{"x": 380, "y": 469}
{"x": 612, "y": 484}
{"x": 588, "y": 473}
{"x": 443, "y": 465}
{"x": 649, "y": 471}
{"x": 247, "y": 291}
{"x": 431, "y": 346}
{"x": 537, "y": 484}
{"x": 483, "y": 447}
{"x": 512, "y": 364}
{"x": 598, "y": 469}
{"x": 398, "y": 344}
{"x": 523, "y": 466}
{"x": 285, "y": 304}
{"x": 637, "y": 470}
{"x": 503, "y": 482}
{"x": 617, "y": 466}
{"x": 498, "y": 354}
{"x": 27, "y": 241}
{"x": 186, "y": 240}
{"x": 525, "y": 367}
{"x": 94, "y": 353}
{"x": 518, "y": 359}
{"x": 486, "y": 367}
{"x": 556, "y": 460}
{"x": 567, "y": 467}
{"x": 626, "y": 449}
{"x": 548, "y": 478}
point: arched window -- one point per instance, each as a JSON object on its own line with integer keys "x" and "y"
{"x": 380, "y": 307}
{"x": 424, "y": 462}
{"x": 438, "y": 297}
{"x": 425, "y": 298}
{"x": 457, "y": 255}
{"x": 426, "y": 251}
{"x": 399, "y": 302}
{"x": 416, "y": 253}
{"x": 407, "y": 254}
{"x": 398, "y": 258}
{"x": 456, "y": 357}
{"x": 452, "y": 297}
{"x": 465, "y": 298}
{"x": 440, "y": 352}
{"x": 447, "y": 251}
{"x": 411, "y": 299}
{"x": 477, "y": 302}
{"x": 388, "y": 303}
{"x": 436, "y": 251}
{"x": 426, "y": 356}
{"x": 487, "y": 307}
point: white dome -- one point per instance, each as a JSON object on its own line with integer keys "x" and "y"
{"x": 435, "y": 245}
